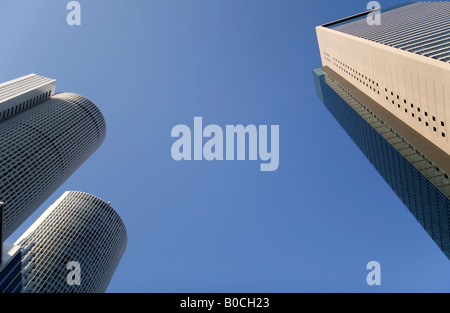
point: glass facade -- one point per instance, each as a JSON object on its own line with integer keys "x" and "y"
{"x": 420, "y": 185}
{"x": 11, "y": 270}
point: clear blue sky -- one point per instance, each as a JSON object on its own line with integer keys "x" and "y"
{"x": 223, "y": 226}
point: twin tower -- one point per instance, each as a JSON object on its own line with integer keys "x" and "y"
{"x": 44, "y": 138}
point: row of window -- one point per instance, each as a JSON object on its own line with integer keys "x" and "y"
{"x": 378, "y": 129}
{"x": 24, "y": 105}
{"x": 368, "y": 82}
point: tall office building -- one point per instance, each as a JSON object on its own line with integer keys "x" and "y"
{"x": 388, "y": 85}
{"x": 44, "y": 138}
{"x": 80, "y": 228}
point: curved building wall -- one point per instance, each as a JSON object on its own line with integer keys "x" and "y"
{"x": 40, "y": 148}
{"x": 77, "y": 227}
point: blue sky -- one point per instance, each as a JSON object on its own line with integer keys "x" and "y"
{"x": 222, "y": 226}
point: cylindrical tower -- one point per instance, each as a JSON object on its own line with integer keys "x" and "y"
{"x": 40, "y": 148}
{"x": 78, "y": 228}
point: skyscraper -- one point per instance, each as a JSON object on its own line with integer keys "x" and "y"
{"x": 388, "y": 85}
{"x": 80, "y": 228}
{"x": 44, "y": 139}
